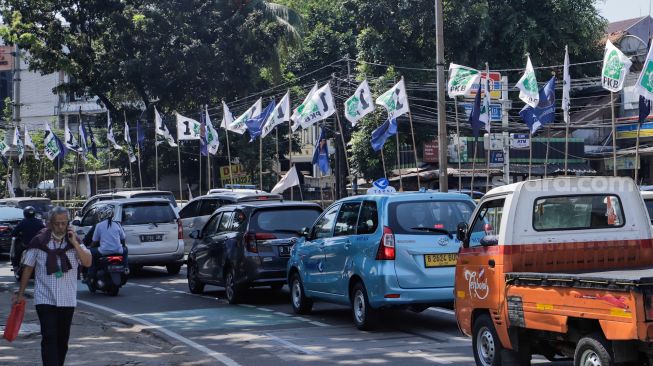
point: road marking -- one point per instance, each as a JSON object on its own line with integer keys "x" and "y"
{"x": 290, "y": 345}
{"x": 222, "y": 358}
{"x": 282, "y": 314}
{"x": 247, "y": 305}
{"x": 319, "y": 324}
{"x": 179, "y": 292}
{"x": 443, "y": 311}
{"x": 147, "y": 286}
{"x": 159, "y": 289}
{"x": 264, "y": 309}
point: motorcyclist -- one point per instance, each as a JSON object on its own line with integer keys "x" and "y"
{"x": 24, "y": 232}
{"x": 108, "y": 238}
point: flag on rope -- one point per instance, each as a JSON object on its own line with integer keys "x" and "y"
{"x": 54, "y": 149}
{"x": 162, "y": 130}
{"x": 128, "y": 141}
{"x": 255, "y": 124}
{"x": 475, "y": 115}
{"x": 140, "y": 135}
{"x": 290, "y": 179}
{"x": 644, "y": 85}
{"x": 70, "y": 140}
{"x": 321, "y": 153}
{"x": 280, "y": 115}
{"x": 395, "y": 100}
{"x": 359, "y": 104}
{"x": 461, "y": 80}
{"x": 93, "y": 145}
{"x": 187, "y": 128}
{"x": 382, "y": 133}
{"x": 29, "y": 143}
{"x": 644, "y": 109}
{"x": 484, "y": 115}
{"x": 20, "y": 148}
{"x": 110, "y": 136}
{"x": 211, "y": 135}
{"x": 297, "y": 112}
{"x": 83, "y": 139}
{"x": 566, "y": 87}
{"x": 544, "y": 113}
{"x": 239, "y": 125}
{"x": 527, "y": 85}
{"x": 615, "y": 68}
{"x": 204, "y": 150}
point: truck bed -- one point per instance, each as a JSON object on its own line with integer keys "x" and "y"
{"x": 618, "y": 280}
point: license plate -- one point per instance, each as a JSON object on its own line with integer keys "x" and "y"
{"x": 284, "y": 251}
{"x": 116, "y": 268}
{"x": 152, "y": 237}
{"x": 440, "y": 260}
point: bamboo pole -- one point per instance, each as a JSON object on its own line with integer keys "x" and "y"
{"x": 260, "y": 162}
{"x": 474, "y": 166}
{"x": 401, "y": 183}
{"x": 530, "y": 153}
{"x": 546, "y": 158}
{"x": 460, "y": 177}
{"x": 614, "y": 137}
{"x": 156, "y": 158}
{"x": 412, "y": 133}
{"x": 276, "y": 138}
{"x": 181, "y": 191}
{"x": 639, "y": 125}
{"x": 566, "y": 146}
{"x": 231, "y": 174}
{"x": 290, "y": 133}
{"x": 385, "y": 174}
{"x": 200, "y": 175}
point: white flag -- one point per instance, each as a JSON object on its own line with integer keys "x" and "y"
{"x": 20, "y": 148}
{"x": 461, "y": 80}
{"x": 318, "y": 108}
{"x": 128, "y": 140}
{"x": 162, "y": 130}
{"x": 52, "y": 148}
{"x": 291, "y": 179}
{"x": 296, "y": 113}
{"x": 212, "y": 141}
{"x": 30, "y": 144}
{"x": 644, "y": 85}
{"x": 187, "y": 128}
{"x": 484, "y": 115}
{"x": 279, "y": 115}
{"x": 395, "y": 100}
{"x": 239, "y": 126}
{"x": 359, "y": 104}
{"x": 615, "y": 68}
{"x": 566, "y": 87}
{"x": 110, "y": 136}
{"x": 527, "y": 85}
{"x": 10, "y": 188}
{"x": 70, "y": 140}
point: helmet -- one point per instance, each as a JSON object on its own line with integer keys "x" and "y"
{"x": 105, "y": 213}
{"x": 29, "y": 212}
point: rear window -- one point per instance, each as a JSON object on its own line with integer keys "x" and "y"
{"x": 283, "y": 219}
{"x": 147, "y": 213}
{"x": 169, "y": 196}
{"x": 409, "y": 217}
{"x": 39, "y": 205}
{"x": 577, "y": 212}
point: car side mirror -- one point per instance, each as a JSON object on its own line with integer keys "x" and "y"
{"x": 461, "y": 233}
{"x": 196, "y": 234}
{"x": 78, "y": 213}
{"x": 76, "y": 223}
{"x": 303, "y": 232}
{"x": 489, "y": 240}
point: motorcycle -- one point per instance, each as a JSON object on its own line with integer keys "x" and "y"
{"x": 110, "y": 275}
{"x": 16, "y": 254}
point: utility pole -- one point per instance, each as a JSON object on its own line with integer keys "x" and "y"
{"x": 442, "y": 119}
{"x": 16, "y": 82}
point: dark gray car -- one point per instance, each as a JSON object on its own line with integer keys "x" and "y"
{"x": 247, "y": 245}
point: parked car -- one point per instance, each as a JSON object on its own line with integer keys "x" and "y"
{"x": 380, "y": 251}
{"x": 152, "y": 229}
{"x": 42, "y": 205}
{"x": 247, "y": 245}
{"x": 9, "y": 218}
{"x": 197, "y": 212}
{"x": 126, "y": 194}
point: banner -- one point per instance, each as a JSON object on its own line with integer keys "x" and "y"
{"x": 359, "y": 104}
{"x": 461, "y": 80}
{"x": 187, "y": 128}
{"x": 296, "y": 113}
{"x": 395, "y": 100}
{"x": 527, "y": 85}
{"x": 280, "y": 115}
{"x": 318, "y": 108}
{"x": 615, "y": 68}
{"x": 239, "y": 126}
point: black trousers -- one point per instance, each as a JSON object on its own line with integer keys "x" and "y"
{"x": 55, "y": 331}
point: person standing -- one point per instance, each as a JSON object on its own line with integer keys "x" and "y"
{"x": 54, "y": 254}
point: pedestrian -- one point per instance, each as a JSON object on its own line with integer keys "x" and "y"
{"x": 54, "y": 254}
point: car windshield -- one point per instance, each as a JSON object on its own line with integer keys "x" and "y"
{"x": 10, "y": 214}
{"x": 283, "y": 219}
{"x": 169, "y": 196}
{"x": 418, "y": 217}
{"x": 39, "y": 205}
{"x": 147, "y": 213}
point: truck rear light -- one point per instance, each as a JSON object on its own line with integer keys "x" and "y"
{"x": 253, "y": 239}
{"x": 180, "y": 230}
{"x": 392, "y": 296}
{"x": 386, "y": 246}
{"x": 648, "y": 304}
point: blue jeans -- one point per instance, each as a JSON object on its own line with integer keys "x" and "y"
{"x": 95, "y": 252}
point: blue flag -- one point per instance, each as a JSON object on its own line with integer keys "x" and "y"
{"x": 387, "y": 129}
{"x": 644, "y": 109}
{"x": 475, "y": 116}
{"x": 544, "y": 113}
{"x": 255, "y": 124}
{"x": 92, "y": 145}
{"x": 140, "y": 135}
{"x": 321, "y": 153}
{"x": 61, "y": 157}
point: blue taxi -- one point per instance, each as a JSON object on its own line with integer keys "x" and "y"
{"x": 380, "y": 251}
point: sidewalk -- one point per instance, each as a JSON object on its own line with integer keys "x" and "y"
{"x": 96, "y": 338}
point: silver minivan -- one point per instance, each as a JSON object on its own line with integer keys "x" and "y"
{"x": 152, "y": 227}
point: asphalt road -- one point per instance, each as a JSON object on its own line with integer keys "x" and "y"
{"x": 264, "y": 330}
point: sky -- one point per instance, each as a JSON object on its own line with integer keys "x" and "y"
{"x": 615, "y": 10}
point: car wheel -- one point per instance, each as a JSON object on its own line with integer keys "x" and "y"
{"x": 365, "y": 317}
{"x": 231, "y": 290}
{"x": 300, "y": 303}
{"x": 194, "y": 284}
{"x": 593, "y": 350}
{"x": 173, "y": 269}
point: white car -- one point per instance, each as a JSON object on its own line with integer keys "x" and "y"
{"x": 152, "y": 227}
{"x": 648, "y": 200}
{"x": 126, "y": 194}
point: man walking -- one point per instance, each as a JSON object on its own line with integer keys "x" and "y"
{"x": 55, "y": 254}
